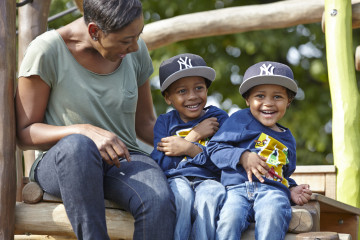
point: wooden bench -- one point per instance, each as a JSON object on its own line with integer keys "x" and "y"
{"x": 48, "y": 220}
{"x": 30, "y": 219}
{"x": 43, "y": 209}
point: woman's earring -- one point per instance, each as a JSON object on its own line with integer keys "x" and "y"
{"x": 94, "y": 38}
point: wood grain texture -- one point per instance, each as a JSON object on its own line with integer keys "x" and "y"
{"x": 7, "y": 120}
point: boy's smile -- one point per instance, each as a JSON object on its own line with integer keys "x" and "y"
{"x": 188, "y": 96}
{"x": 268, "y": 104}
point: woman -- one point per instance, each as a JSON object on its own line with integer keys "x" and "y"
{"x": 83, "y": 96}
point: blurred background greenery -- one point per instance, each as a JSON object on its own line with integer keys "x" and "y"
{"x": 302, "y": 47}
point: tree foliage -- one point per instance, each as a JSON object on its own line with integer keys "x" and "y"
{"x": 302, "y": 47}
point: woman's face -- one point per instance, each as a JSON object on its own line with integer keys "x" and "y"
{"x": 115, "y": 45}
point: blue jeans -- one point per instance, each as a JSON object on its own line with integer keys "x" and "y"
{"x": 74, "y": 170}
{"x": 198, "y": 203}
{"x": 263, "y": 204}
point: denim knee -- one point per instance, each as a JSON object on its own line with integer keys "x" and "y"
{"x": 78, "y": 145}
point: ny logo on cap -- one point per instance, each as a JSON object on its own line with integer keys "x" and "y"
{"x": 186, "y": 63}
{"x": 267, "y": 70}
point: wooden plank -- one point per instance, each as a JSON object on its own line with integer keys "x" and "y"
{"x": 330, "y": 185}
{"x": 315, "y": 169}
{"x": 7, "y": 120}
{"x": 316, "y": 181}
{"x": 337, "y": 216}
{"x": 340, "y": 222}
{"x": 321, "y": 178}
{"x": 31, "y": 218}
{"x": 330, "y": 205}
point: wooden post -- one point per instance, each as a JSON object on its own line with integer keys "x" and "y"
{"x": 32, "y": 20}
{"x": 345, "y": 99}
{"x": 7, "y": 120}
{"x": 79, "y": 4}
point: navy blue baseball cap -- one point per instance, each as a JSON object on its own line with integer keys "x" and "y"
{"x": 268, "y": 73}
{"x": 183, "y": 65}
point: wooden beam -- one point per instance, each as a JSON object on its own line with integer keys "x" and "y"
{"x": 31, "y": 218}
{"x": 235, "y": 20}
{"x": 232, "y": 20}
{"x": 7, "y": 118}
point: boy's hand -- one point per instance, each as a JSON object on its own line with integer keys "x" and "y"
{"x": 254, "y": 164}
{"x": 300, "y": 194}
{"x": 203, "y": 130}
{"x": 177, "y": 146}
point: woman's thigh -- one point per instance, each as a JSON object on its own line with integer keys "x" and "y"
{"x": 73, "y": 164}
{"x": 136, "y": 183}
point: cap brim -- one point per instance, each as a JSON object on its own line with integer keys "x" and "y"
{"x": 205, "y": 72}
{"x": 268, "y": 79}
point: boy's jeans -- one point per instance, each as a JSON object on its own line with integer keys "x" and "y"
{"x": 198, "y": 203}
{"x": 74, "y": 170}
{"x": 268, "y": 206}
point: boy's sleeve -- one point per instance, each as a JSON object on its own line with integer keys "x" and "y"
{"x": 203, "y": 158}
{"x": 223, "y": 148}
{"x": 222, "y": 117}
{"x": 160, "y": 131}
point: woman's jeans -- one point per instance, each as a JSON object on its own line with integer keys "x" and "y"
{"x": 268, "y": 206}
{"x": 74, "y": 170}
{"x": 198, "y": 203}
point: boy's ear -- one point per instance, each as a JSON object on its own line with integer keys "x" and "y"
{"x": 247, "y": 102}
{"x": 289, "y": 102}
{"x": 167, "y": 100}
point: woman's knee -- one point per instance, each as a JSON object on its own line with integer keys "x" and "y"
{"x": 77, "y": 144}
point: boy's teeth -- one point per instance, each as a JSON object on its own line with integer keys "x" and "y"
{"x": 193, "y": 106}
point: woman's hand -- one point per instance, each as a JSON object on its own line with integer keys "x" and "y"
{"x": 110, "y": 146}
{"x": 203, "y": 130}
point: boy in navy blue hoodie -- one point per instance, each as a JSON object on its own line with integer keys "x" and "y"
{"x": 257, "y": 156}
{"x": 180, "y": 137}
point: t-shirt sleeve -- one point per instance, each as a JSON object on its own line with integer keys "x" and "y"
{"x": 143, "y": 62}
{"x": 39, "y": 60}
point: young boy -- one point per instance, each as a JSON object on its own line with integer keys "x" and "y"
{"x": 180, "y": 137}
{"x": 257, "y": 156}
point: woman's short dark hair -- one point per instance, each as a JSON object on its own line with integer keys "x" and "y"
{"x": 111, "y": 15}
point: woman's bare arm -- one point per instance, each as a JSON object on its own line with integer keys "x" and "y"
{"x": 145, "y": 117}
